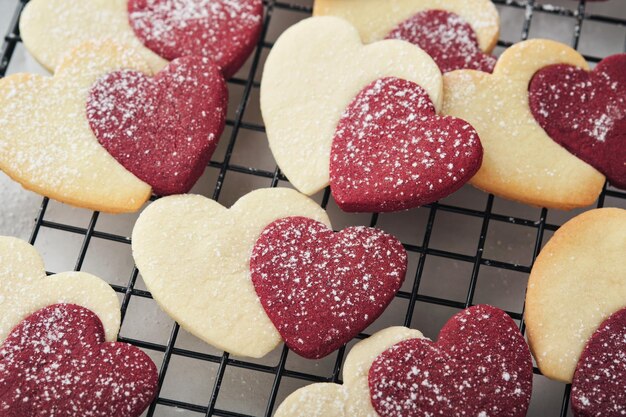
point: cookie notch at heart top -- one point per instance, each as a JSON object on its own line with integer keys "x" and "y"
{"x": 194, "y": 256}
{"x": 375, "y": 19}
{"x": 521, "y": 162}
{"x": 313, "y": 72}
{"x": 25, "y": 288}
{"x": 576, "y": 282}
{"x": 46, "y": 143}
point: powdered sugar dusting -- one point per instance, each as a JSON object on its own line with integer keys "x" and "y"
{"x": 162, "y": 129}
{"x": 56, "y": 364}
{"x": 585, "y": 112}
{"x": 392, "y": 152}
{"x": 598, "y": 385}
{"x": 447, "y": 38}
{"x": 320, "y": 289}
{"x": 480, "y": 366}
{"x": 46, "y": 142}
{"x": 223, "y": 30}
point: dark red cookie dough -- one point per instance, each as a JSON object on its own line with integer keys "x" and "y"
{"x": 163, "y": 129}
{"x": 392, "y": 152}
{"x": 585, "y": 112}
{"x": 55, "y": 362}
{"x": 480, "y": 366}
{"x": 321, "y": 288}
{"x": 598, "y": 388}
{"x": 447, "y": 38}
{"x": 225, "y": 31}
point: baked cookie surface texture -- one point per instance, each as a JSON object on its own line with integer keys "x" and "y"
{"x": 577, "y": 282}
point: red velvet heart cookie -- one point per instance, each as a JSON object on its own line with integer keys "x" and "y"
{"x": 162, "y": 129}
{"x": 55, "y": 362}
{"x": 585, "y": 112}
{"x": 600, "y": 378}
{"x": 447, "y": 38}
{"x": 392, "y": 152}
{"x": 320, "y": 288}
{"x": 224, "y": 30}
{"x": 480, "y": 366}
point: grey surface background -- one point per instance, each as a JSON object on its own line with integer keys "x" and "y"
{"x": 246, "y": 391}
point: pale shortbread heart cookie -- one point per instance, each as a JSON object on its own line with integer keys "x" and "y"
{"x": 375, "y": 19}
{"x": 578, "y": 281}
{"x": 25, "y": 288}
{"x": 194, "y": 256}
{"x": 353, "y": 397}
{"x": 50, "y": 28}
{"x": 315, "y": 69}
{"x": 521, "y": 162}
{"x": 46, "y": 143}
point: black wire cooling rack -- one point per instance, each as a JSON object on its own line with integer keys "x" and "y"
{"x": 280, "y": 369}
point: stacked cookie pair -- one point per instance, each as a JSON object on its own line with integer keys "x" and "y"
{"x": 58, "y": 354}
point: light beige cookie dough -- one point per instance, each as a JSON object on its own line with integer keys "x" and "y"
{"x": 521, "y": 162}
{"x": 25, "y": 289}
{"x": 315, "y": 69}
{"x": 194, "y": 256}
{"x": 46, "y": 143}
{"x": 375, "y": 19}
{"x": 353, "y": 397}
{"x": 578, "y": 281}
{"x": 50, "y": 28}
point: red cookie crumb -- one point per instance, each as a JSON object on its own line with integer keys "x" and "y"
{"x": 226, "y": 31}
{"x": 165, "y": 128}
{"x": 600, "y": 377}
{"x": 480, "y": 367}
{"x": 321, "y": 288}
{"x": 55, "y": 362}
{"x": 447, "y": 38}
{"x": 392, "y": 152}
{"x": 585, "y": 112}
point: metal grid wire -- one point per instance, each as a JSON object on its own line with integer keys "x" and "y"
{"x": 278, "y": 371}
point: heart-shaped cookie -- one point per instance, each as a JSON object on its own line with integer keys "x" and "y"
{"x": 353, "y": 397}
{"x": 25, "y": 288}
{"x": 55, "y": 362}
{"x": 392, "y": 152}
{"x": 315, "y": 69}
{"x": 447, "y": 38}
{"x": 376, "y": 19}
{"x": 321, "y": 288}
{"x": 224, "y": 30}
{"x": 520, "y": 160}
{"x": 600, "y": 377}
{"x": 479, "y": 366}
{"x": 194, "y": 256}
{"x": 165, "y": 128}
{"x": 46, "y": 143}
{"x": 585, "y": 112}
{"x": 576, "y": 283}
